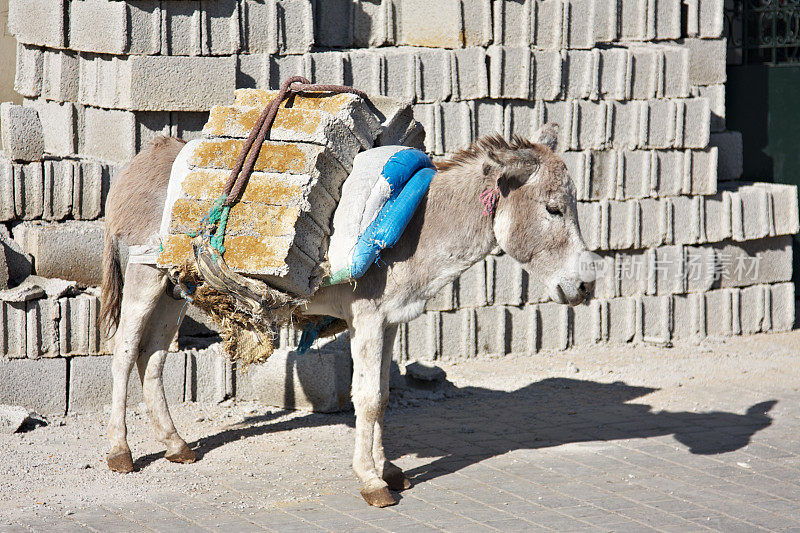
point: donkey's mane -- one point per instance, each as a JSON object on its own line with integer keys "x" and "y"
{"x": 483, "y": 146}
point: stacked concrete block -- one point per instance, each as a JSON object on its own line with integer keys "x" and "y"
{"x": 704, "y": 18}
{"x": 90, "y": 382}
{"x": 626, "y": 174}
{"x": 41, "y": 22}
{"x": 50, "y": 318}
{"x": 169, "y": 28}
{"x": 661, "y": 320}
{"x": 318, "y": 381}
{"x": 70, "y": 250}
{"x": 53, "y": 189}
{"x": 642, "y": 120}
{"x": 15, "y": 264}
{"x": 739, "y": 212}
{"x": 37, "y": 385}
{"x": 684, "y": 251}
{"x": 111, "y": 136}
{"x": 21, "y": 132}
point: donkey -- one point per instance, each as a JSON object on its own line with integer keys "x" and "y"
{"x": 516, "y": 195}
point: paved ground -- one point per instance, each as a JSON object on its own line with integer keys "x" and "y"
{"x": 606, "y": 439}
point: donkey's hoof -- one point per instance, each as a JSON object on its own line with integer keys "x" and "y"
{"x": 380, "y": 497}
{"x": 120, "y": 462}
{"x": 395, "y": 478}
{"x": 183, "y": 455}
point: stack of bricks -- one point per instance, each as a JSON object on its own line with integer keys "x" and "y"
{"x": 687, "y": 252}
{"x": 278, "y": 229}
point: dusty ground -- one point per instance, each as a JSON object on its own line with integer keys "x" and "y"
{"x": 726, "y": 409}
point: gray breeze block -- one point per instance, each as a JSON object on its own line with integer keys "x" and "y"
{"x": 21, "y": 132}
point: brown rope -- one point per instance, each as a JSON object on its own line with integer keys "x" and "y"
{"x": 246, "y": 160}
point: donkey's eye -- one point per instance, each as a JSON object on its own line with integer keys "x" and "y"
{"x": 555, "y": 211}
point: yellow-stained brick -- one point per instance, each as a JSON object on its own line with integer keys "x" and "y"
{"x": 238, "y": 121}
{"x": 295, "y": 158}
{"x": 257, "y": 255}
{"x": 176, "y": 249}
{"x": 245, "y": 217}
{"x": 322, "y": 101}
{"x": 274, "y": 189}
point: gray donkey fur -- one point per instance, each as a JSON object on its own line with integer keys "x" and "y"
{"x": 534, "y": 221}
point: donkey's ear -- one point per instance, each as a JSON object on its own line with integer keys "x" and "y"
{"x": 519, "y": 166}
{"x": 547, "y": 135}
{"x": 510, "y": 180}
{"x": 510, "y": 164}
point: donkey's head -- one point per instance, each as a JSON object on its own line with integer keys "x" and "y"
{"x": 535, "y": 213}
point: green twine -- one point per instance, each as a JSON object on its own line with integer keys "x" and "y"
{"x": 218, "y": 215}
{"x": 218, "y": 240}
{"x": 215, "y": 214}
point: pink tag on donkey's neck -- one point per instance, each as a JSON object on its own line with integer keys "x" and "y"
{"x": 489, "y": 200}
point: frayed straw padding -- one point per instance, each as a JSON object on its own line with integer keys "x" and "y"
{"x": 247, "y": 338}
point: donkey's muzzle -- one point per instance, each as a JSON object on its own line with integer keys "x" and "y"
{"x": 573, "y": 293}
{"x": 576, "y": 283}
{"x": 585, "y": 290}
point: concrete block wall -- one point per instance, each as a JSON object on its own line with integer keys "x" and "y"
{"x": 638, "y": 87}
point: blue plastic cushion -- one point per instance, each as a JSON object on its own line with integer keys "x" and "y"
{"x": 409, "y": 174}
{"x": 401, "y": 166}
{"x": 392, "y": 219}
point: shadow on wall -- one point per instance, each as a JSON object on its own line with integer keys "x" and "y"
{"x": 480, "y": 423}
{"x": 8, "y": 58}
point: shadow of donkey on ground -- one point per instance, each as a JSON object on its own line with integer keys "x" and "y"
{"x": 464, "y": 426}
{"x": 482, "y": 423}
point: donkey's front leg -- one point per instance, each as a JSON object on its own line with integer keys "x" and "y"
{"x": 390, "y": 473}
{"x": 366, "y": 346}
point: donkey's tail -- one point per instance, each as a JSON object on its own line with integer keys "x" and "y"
{"x": 112, "y": 285}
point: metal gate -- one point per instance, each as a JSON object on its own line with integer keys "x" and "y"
{"x": 763, "y": 90}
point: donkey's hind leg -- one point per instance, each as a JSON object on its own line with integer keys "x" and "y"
{"x": 161, "y": 329}
{"x": 142, "y": 291}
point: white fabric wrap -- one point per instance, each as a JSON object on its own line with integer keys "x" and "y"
{"x": 180, "y": 169}
{"x": 363, "y": 194}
